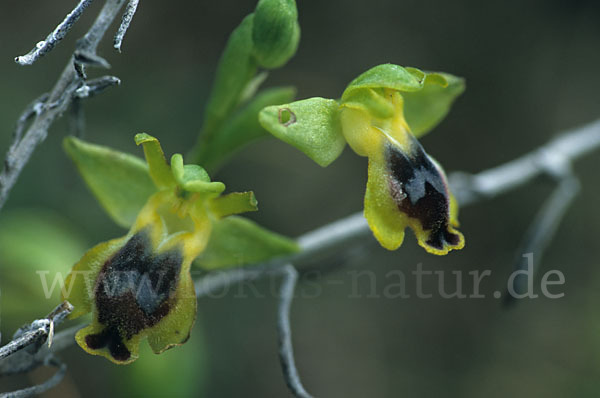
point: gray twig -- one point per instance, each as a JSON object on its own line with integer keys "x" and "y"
{"x": 45, "y": 386}
{"x": 59, "y": 99}
{"x": 26, "y": 338}
{"x": 25, "y": 361}
{"x": 45, "y": 46}
{"x": 213, "y": 281}
{"x": 37, "y": 331}
{"x": 286, "y": 351}
{"x": 96, "y": 86}
{"x": 541, "y": 232}
{"x": 562, "y": 150}
{"x": 33, "y": 109}
{"x": 125, "y": 22}
{"x": 86, "y": 58}
{"x": 88, "y": 89}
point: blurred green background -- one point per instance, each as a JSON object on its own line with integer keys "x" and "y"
{"x": 531, "y": 70}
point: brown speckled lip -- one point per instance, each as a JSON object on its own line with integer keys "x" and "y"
{"x": 133, "y": 292}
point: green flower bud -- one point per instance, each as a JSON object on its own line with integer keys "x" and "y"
{"x": 276, "y": 32}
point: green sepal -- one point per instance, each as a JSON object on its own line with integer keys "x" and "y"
{"x": 242, "y": 128}
{"x": 372, "y": 101}
{"x": 237, "y": 241}
{"x": 193, "y": 178}
{"x": 427, "y": 95}
{"x": 311, "y": 125}
{"x": 234, "y": 203}
{"x": 120, "y": 182}
{"x": 389, "y": 76}
{"x": 155, "y": 157}
{"x": 276, "y": 32}
{"x": 235, "y": 70}
{"x": 426, "y": 108}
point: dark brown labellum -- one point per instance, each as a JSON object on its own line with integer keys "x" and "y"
{"x": 420, "y": 190}
{"x": 133, "y": 292}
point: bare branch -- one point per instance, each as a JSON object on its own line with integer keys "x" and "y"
{"x": 37, "y": 331}
{"x": 90, "y": 59}
{"x": 33, "y": 109}
{"x": 60, "y": 97}
{"x": 96, "y": 86}
{"x": 549, "y": 158}
{"x": 286, "y": 351}
{"x": 541, "y": 232}
{"x": 45, "y": 386}
{"x": 89, "y": 89}
{"x": 125, "y": 22}
{"x": 26, "y": 339}
{"x": 213, "y": 281}
{"x": 62, "y": 340}
{"x": 45, "y": 46}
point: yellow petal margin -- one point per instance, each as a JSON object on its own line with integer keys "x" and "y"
{"x": 382, "y": 214}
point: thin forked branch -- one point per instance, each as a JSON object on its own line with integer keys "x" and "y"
{"x": 540, "y": 234}
{"x": 38, "y": 331}
{"x": 45, "y": 46}
{"x": 49, "y": 107}
{"x": 43, "y": 387}
{"x": 286, "y": 351}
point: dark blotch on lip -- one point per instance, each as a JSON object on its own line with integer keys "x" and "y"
{"x": 109, "y": 337}
{"x": 132, "y": 293}
{"x": 420, "y": 191}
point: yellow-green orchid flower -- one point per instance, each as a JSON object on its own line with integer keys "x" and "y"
{"x": 380, "y": 115}
{"x": 139, "y": 286}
